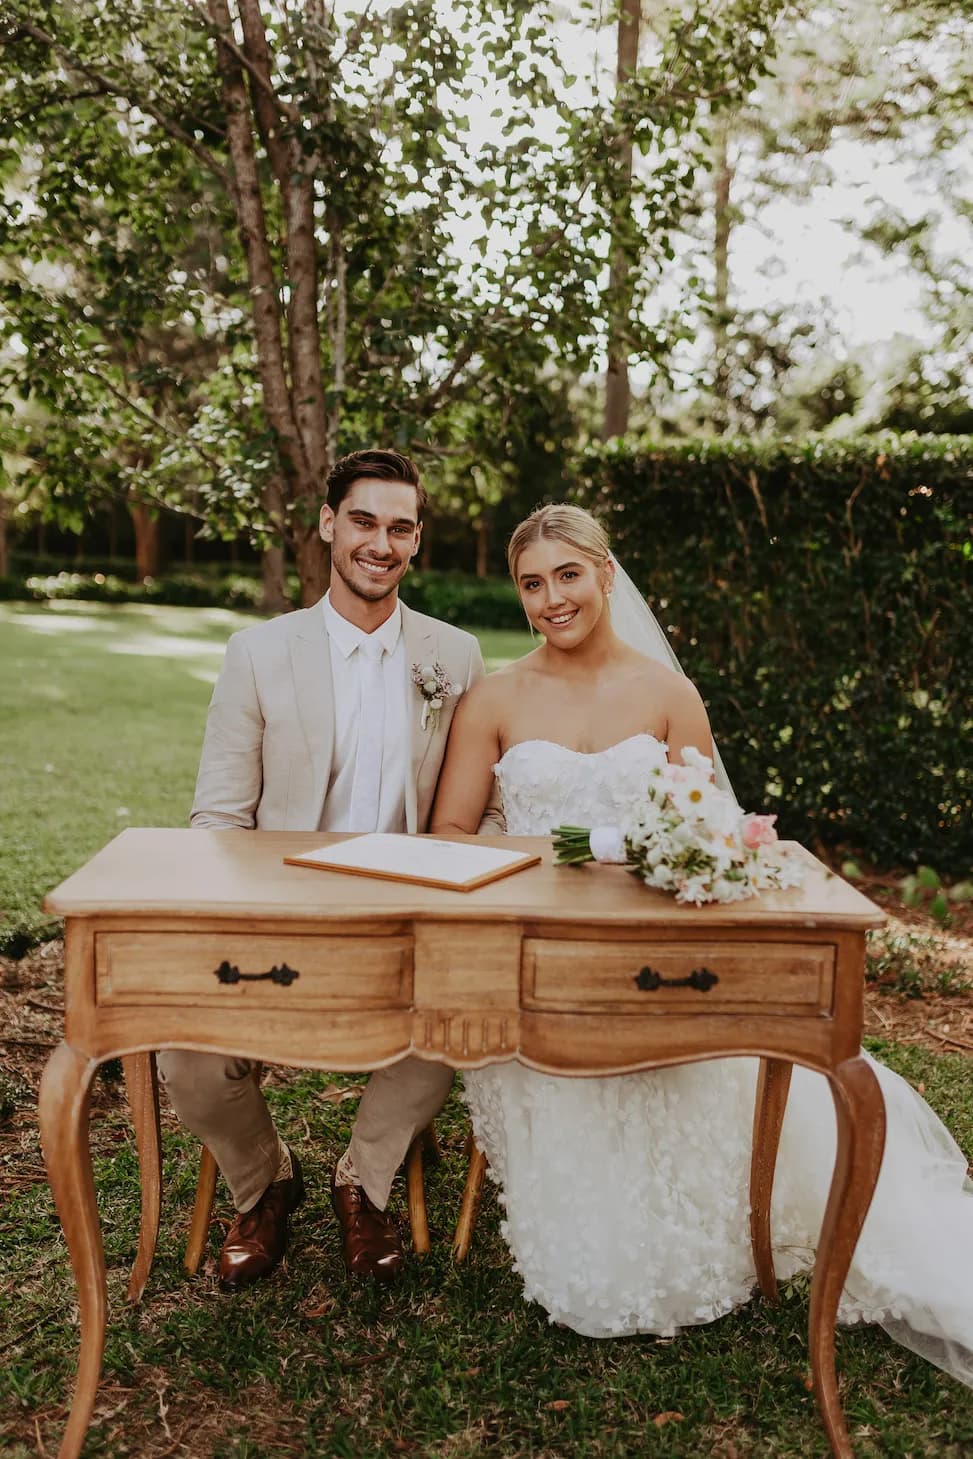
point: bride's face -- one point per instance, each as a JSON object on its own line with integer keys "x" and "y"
{"x": 563, "y": 592}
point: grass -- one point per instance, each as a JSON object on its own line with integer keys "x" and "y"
{"x": 100, "y": 728}
{"x": 452, "y": 1362}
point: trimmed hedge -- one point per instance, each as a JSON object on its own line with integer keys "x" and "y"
{"x": 454, "y": 596}
{"x": 182, "y": 590}
{"x": 819, "y": 593}
{"x": 459, "y": 598}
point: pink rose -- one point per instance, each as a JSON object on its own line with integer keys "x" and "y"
{"x": 759, "y": 831}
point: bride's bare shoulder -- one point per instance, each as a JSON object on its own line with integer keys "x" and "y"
{"x": 665, "y": 683}
{"x": 491, "y": 694}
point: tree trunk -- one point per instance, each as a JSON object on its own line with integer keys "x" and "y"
{"x": 313, "y": 566}
{"x": 189, "y": 541}
{"x": 292, "y": 406}
{"x": 425, "y": 550}
{"x": 723, "y": 179}
{"x": 273, "y": 581}
{"x": 147, "y": 541}
{"x": 273, "y": 573}
{"x": 482, "y": 545}
{"x": 4, "y": 556}
{"x": 617, "y": 388}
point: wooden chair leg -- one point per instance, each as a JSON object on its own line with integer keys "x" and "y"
{"x": 203, "y": 1204}
{"x": 417, "y": 1198}
{"x": 202, "y": 1212}
{"x": 431, "y": 1152}
{"x": 773, "y": 1082}
{"x": 466, "y": 1224}
{"x": 142, "y": 1088}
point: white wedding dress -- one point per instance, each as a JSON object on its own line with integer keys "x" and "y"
{"x": 626, "y": 1197}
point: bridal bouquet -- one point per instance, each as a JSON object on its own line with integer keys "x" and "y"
{"x": 687, "y": 837}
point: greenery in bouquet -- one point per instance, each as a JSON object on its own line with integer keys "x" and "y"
{"x": 687, "y": 837}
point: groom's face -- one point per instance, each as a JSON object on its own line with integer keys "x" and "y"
{"x": 374, "y": 534}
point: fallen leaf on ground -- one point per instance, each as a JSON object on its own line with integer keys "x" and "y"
{"x": 558, "y": 1404}
{"x": 671, "y": 1416}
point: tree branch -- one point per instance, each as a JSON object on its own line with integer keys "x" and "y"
{"x": 261, "y": 79}
{"x": 107, "y": 86}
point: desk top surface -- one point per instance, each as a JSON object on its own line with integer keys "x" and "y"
{"x": 241, "y": 874}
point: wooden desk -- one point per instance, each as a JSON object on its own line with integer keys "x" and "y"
{"x": 571, "y": 970}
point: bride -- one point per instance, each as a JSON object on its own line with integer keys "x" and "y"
{"x": 626, "y": 1197}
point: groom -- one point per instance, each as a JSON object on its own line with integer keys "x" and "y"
{"x": 315, "y": 725}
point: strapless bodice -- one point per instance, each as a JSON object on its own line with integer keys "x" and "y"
{"x": 544, "y": 784}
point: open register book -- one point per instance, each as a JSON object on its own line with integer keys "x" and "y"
{"x": 455, "y": 865}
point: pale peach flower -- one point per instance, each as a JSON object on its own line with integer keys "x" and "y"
{"x": 759, "y": 831}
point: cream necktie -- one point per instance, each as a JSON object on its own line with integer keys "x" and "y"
{"x": 367, "y": 785}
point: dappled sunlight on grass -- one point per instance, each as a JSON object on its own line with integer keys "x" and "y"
{"x": 48, "y": 622}
{"x": 164, "y": 646}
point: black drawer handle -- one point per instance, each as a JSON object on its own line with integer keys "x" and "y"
{"x": 700, "y": 978}
{"x": 227, "y": 973}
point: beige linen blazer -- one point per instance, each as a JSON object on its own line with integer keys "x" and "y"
{"x": 266, "y": 761}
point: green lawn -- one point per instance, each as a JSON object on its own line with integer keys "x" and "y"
{"x": 451, "y": 1362}
{"x": 100, "y": 728}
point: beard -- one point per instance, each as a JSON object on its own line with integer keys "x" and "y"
{"x": 357, "y": 581}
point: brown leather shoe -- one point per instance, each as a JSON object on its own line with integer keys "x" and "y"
{"x": 371, "y": 1242}
{"x": 258, "y": 1239}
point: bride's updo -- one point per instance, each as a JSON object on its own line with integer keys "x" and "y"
{"x": 563, "y": 523}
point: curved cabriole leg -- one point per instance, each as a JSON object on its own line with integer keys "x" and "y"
{"x": 202, "y": 1212}
{"x": 64, "y": 1099}
{"x": 860, "y": 1111}
{"x": 463, "y": 1239}
{"x": 773, "y": 1082}
{"x": 418, "y": 1219}
{"x": 141, "y": 1082}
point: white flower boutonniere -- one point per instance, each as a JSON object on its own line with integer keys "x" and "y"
{"x": 433, "y": 684}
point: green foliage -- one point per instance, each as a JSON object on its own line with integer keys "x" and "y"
{"x": 913, "y": 964}
{"x": 819, "y": 594}
{"x": 458, "y": 598}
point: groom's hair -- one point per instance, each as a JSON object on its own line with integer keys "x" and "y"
{"x": 385, "y": 465}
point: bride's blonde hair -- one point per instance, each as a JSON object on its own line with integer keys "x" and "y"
{"x": 563, "y": 523}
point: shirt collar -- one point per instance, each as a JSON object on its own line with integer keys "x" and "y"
{"x": 346, "y": 637}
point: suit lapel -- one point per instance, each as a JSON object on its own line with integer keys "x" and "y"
{"x": 313, "y": 692}
{"x": 420, "y": 648}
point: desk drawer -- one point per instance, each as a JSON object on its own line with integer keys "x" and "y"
{"x": 677, "y": 977}
{"x": 283, "y": 971}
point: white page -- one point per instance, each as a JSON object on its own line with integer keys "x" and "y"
{"x": 415, "y": 856}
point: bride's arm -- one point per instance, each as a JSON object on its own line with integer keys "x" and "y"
{"x": 688, "y": 723}
{"x": 466, "y": 779}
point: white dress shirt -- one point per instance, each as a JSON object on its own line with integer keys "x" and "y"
{"x": 344, "y": 638}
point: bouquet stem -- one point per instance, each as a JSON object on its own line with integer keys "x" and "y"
{"x": 572, "y": 845}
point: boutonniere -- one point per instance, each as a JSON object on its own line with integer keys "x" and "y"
{"x": 433, "y": 684}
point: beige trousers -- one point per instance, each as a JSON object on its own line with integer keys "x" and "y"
{"x": 214, "y": 1096}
